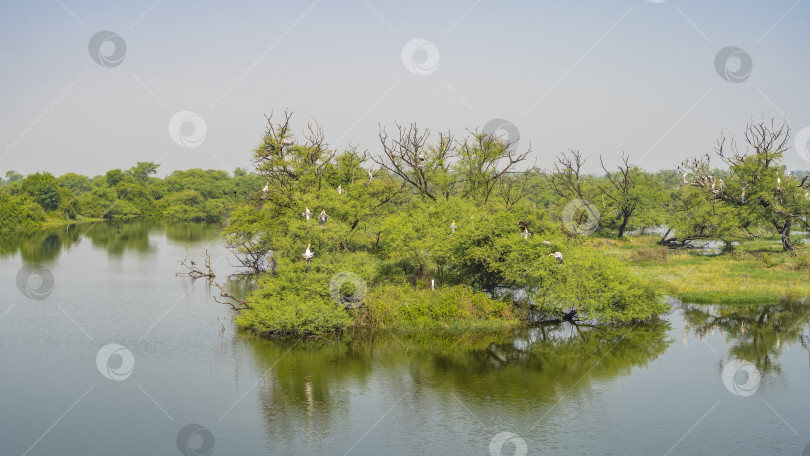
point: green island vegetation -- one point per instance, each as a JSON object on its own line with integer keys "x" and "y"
{"x": 457, "y": 234}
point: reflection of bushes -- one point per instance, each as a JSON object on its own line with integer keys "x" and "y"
{"x": 306, "y": 382}
{"x": 755, "y": 333}
{"x": 45, "y": 244}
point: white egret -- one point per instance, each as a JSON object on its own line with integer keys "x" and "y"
{"x": 742, "y": 197}
{"x": 308, "y": 253}
{"x": 713, "y": 190}
{"x": 340, "y": 190}
{"x": 453, "y": 226}
{"x": 370, "y": 175}
{"x": 264, "y": 190}
{"x": 779, "y": 184}
{"x": 323, "y": 217}
{"x": 307, "y": 214}
{"x": 557, "y": 256}
{"x": 684, "y": 178}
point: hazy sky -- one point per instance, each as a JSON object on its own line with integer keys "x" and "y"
{"x": 603, "y": 77}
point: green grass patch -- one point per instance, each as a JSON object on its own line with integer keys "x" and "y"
{"x": 755, "y": 272}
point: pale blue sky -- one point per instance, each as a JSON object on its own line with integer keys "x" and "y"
{"x": 602, "y": 77}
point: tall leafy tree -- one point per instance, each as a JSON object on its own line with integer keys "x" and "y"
{"x": 757, "y": 183}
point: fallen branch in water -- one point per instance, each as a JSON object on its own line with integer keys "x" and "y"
{"x": 235, "y": 303}
{"x": 194, "y": 271}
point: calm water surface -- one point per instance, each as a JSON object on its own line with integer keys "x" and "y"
{"x": 560, "y": 390}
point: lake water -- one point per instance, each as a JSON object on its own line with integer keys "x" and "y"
{"x": 712, "y": 381}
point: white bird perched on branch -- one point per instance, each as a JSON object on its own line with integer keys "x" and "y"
{"x": 340, "y": 190}
{"x": 684, "y": 178}
{"x": 779, "y": 184}
{"x": 308, "y": 254}
{"x": 557, "y": 256}
{"x": 307, "y": 214}
{"x": 265, "y": 189}
{"x": 370, "y": 175}
{"x": 453, "y": 226}
{"x": 742, "y": 197}
{"x": 323, "y": 217}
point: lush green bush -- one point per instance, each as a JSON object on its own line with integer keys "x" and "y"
{"x": 17, "y": 213}
{"x": 402, "y": 307}
{"x": 295, "y": 301}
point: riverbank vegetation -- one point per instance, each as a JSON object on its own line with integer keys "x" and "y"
{"x": 457, "y": 232}
{"x": 194, "y": 195}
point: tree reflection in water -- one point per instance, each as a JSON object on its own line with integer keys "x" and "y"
{"x": 309, "y": 386}
{"x": 755, "y": 333}
{"x": 45, "y": 245}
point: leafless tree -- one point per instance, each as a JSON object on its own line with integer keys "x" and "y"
{"x": 407, "y": 155}
{"x": 620, "y": 191}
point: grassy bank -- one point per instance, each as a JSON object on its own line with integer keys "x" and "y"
{"x": 753, "y": 272}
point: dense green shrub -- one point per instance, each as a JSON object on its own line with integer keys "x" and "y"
{"x": 17, "y": 213}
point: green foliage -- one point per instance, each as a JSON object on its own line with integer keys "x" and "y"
{"x": 114, "y": 176}
{"x": 44, "y": 189}
{"x": 13, "y": 176}
{"x": 296, "y": 300}
{"x": 19, "y": 213}
{"x": 76, "y": 183}
{"x": 400, "y": 239}
{"x": 406, "y": 308}
{"x": 143, "y": 170}
{"x": 599, "y": 287}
